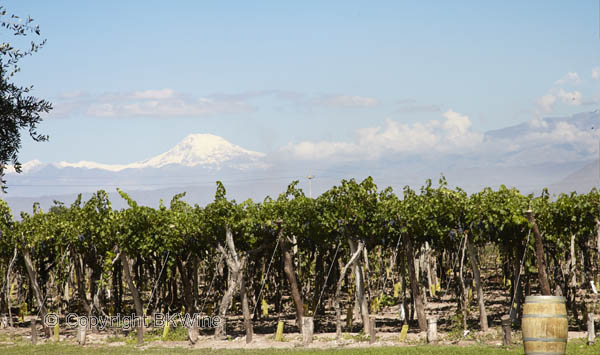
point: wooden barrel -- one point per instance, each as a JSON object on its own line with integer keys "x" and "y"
{"x": 545, "y": 325}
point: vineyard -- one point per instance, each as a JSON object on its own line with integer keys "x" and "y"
{"x": 350, "y": 255}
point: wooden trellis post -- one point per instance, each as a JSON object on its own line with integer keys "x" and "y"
{"x": 506, "y": 330}
{"x": 372, "y": 330}
{"x": 307, "y": 330}
{"x": 33, "y": 332}
{"x": 590, "y": 328}
{"x": 432, "y": 330}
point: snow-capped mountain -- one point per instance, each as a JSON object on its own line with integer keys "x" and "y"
{"x": 30, "y": 166}
{"x": 205, "y": 149}
{"x": 195, "y": 150}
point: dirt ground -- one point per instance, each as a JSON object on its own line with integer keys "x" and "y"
{"x": 388, "y": 328}
{"x": 388, "y": 334}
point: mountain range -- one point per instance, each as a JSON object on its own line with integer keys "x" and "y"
{"x": 206, "y": 150}
{"x": 560, "y": 153}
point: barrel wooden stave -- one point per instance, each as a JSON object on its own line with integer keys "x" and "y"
{"x": 545, "y": 325}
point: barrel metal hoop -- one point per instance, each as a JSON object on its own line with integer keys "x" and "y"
{"x": 547, "y": 340}
{"x": 545, "y": 299}
{"x": 545, "y": 316}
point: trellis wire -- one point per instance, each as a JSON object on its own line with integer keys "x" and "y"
{"x": 394, "y": 258}
{"x": 265, "y": 279}
{"x": 327, "y": 278}
{"x": 211, "y": 285}
{"x": 454, "y": 264}
{"x": 47, "y": 293}
{"x": 157, "y": 280}
{"x": 512, "y": 302}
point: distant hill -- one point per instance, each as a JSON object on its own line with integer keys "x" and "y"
{"x": 582, "y": 180}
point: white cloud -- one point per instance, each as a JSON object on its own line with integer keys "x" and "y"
{"x": 154, "y": 94}
{"x": 347, "y": 101}
{"x": 543, "y": 141}
{"x": 538, "y": 122}
{"x": 570, "y": 77}
{"x": 170, "y": 103}
{"x": 570, "y": 98}
{"x": 452, "y": 135}
{"x": 101, "y": 110}
{"x": 457, "y": 129}
{"x": 596, "y": 73}
{"x": 398, "y": 138}
{"x": 546, "y": 102}
{"x": 563, "y": 132}
{"x": 411, "y": 108}
{"x": 150, "y": 103}
{"x": 320, "y": 150}
{"x": 176, "y": 107}
{"x": 72, "y": 95}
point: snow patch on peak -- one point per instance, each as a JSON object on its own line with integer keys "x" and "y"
{"x": 25, "y": 168}
{"x": 93, "y": 165}
{"x": 202, "y": 149}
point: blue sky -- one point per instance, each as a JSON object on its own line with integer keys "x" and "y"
{"x": 130, "y": 79}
